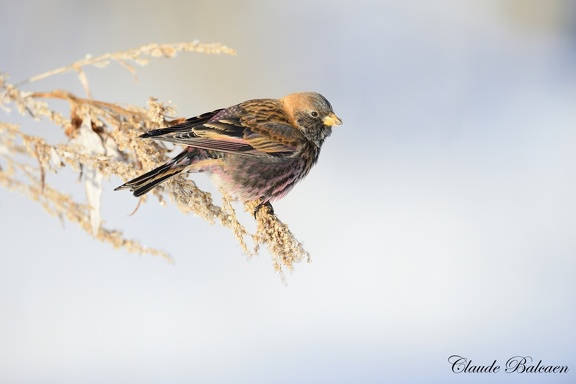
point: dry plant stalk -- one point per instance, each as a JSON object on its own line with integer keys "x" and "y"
{"x": 102, "y": 141}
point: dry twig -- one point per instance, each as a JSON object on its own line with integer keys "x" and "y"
{"x": 102, "y": 141}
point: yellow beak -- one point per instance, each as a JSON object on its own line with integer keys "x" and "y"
{"x": 331, "y": 120}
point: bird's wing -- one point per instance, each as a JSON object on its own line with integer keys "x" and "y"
{"x": 222, "y": 130}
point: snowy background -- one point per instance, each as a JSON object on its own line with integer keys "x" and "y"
{"x": 441, "y": 217}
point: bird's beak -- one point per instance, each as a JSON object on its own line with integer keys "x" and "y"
{"x": 331, "y": 120}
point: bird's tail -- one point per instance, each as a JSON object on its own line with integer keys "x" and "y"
{"x": 144, "y": 183}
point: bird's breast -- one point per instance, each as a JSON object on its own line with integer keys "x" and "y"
{"x": 262, "y": 177}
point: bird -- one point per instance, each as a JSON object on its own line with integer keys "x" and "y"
{"x": 255, "y": 151}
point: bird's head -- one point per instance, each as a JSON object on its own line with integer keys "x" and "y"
{"x": 312, "y": 114}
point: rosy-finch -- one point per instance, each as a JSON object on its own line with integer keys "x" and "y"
{"x": 256, "y": 150}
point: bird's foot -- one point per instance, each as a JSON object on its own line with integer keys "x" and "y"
{"x": 262, "y": 205}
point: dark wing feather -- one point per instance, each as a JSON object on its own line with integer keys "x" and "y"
{"x": 182, "y": 127}
{"x": 234, "y": 130}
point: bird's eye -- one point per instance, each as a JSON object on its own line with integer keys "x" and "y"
{"x": 314, "y": 114}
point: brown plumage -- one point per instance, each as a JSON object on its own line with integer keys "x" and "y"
{"x": 255, "y": 150}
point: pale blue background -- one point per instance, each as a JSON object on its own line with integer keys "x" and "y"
{"x": 441, "y": 217}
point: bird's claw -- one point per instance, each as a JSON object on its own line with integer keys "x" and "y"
{"x": 261, "y": 205}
